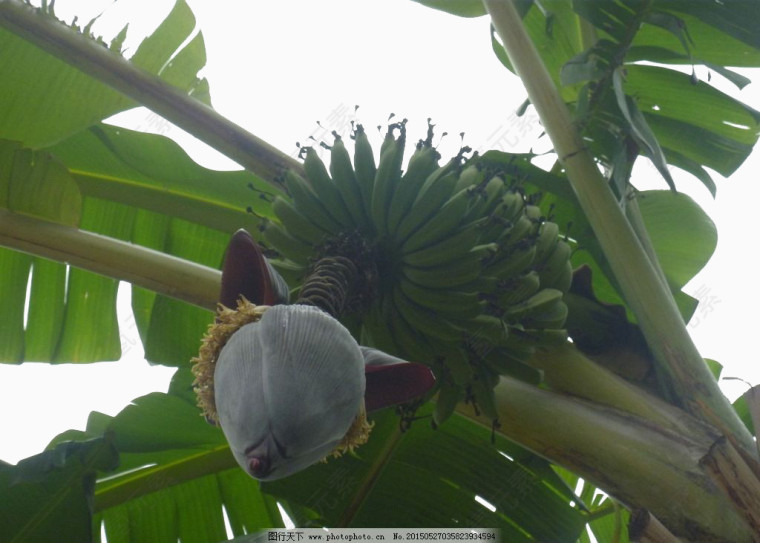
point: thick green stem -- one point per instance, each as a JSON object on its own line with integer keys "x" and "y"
{"x": 140, "y": 266}
{"x": 644, "y": 527}
{"x": 692, "y": 384}
{"x": 167, "y": 101}
{"x": 569, "y": 371}
{"x": 633, "y": 214}
{"x": 637, "y": 462}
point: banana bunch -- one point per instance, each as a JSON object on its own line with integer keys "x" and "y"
{"x": 470, "y": 276}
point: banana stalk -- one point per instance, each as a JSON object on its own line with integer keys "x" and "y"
{"x": 154, "y": 270}
{"x": 633, "y": 459}
{"x": 680, "y": 365}
{"x": 645, "y": 528}
{"x": 567, "y": 370}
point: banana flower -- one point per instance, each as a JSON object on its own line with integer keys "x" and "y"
{"x": 288, "y": 384}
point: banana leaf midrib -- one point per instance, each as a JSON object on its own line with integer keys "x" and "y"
{"x": 206, "y": 211}
{"x": 111, "y": 492}
{"x": 373, "y": 474}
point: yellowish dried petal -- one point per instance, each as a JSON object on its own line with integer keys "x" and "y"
{"x": 228, "y": 321}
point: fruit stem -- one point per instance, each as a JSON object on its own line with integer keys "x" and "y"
{"x": 679, "y": 363}
{"x": 168, "y": 101}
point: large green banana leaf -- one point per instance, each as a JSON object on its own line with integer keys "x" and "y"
{"x": 654, "y": 106}
{"x": 52, "y": 491}
{"x": 134, "y": 187}
{"x": 176, "y": 475}
{"x": 48, "y": 100}
{"x": 111, "y": 182}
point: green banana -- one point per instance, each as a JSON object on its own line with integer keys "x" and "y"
{"x": 553, "y": 270}
{"x": 285, "y": 244}
{"x": 485, "y": 284}
{"x": 387, "y": 178}
{"x": 423, "y": 320}
{"x": 539, "y": 303}
{"x": 551, "y": 318}
{"x": 503, "y": 362}
{"x": 413, "y": 346}
{"x": 389, "y": 140}
{"x": 441, "y": 224}
{"x": 364, "y": 166}
{"x": 436, "y": 190}
{"x": 511, "y": 263}
{"x": 452, "y": 248}
{"x": 463, "y": 305}
{"x": 506, "y": 212}
{"x": 511, "y": 205}
{"x": 534, "y": 213}
{"x": 422, "y": 164}
{"x": 483, "y": 394}
{"x": 458, "y": 366}
{"x": 325, "y": 189}
{"x": 469, "y": 178}
{"x": 548, "y": 238}
{"x": 489, "y": 196}
{"x": 484, "y": 329}
{"x": 563, "y": 279}
{"x": 457, "y": 273}
{"x": 307, "y": 202}
{"x": 296, "y": 224}
{"x": 377, "y": 333}
{"x": 446, "y": 402}
{"x": 519, "y": 289}
{"x": 520, "y": 229}
{"x": 344, "y": 177}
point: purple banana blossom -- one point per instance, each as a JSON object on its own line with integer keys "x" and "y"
{"x": 287, "y": 389}
{"x": 291, "y": 387}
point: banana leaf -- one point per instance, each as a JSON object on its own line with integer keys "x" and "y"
{"x": 177, "y": 476}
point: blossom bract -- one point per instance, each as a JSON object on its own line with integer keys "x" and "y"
{"x": 287, "y": 389}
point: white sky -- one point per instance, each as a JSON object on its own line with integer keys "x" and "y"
{"x": 276, "y": 68}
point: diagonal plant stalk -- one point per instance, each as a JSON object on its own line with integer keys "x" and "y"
{"x": 638, "y": 462}
{"x": 633, "y": 214}
{"x": 114, "y": 492}
{"x": 146, "y": 89}
{"x": 691, "y": 384}
{"x": 154, "y": 270}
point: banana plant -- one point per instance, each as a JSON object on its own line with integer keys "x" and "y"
{"x": 468, "y": 267}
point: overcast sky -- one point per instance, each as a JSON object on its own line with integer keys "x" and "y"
{"x": 276, "y": 68}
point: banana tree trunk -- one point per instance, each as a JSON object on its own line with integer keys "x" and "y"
{"x": 642, "y": 464}
{"x": 679, "y": 363}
